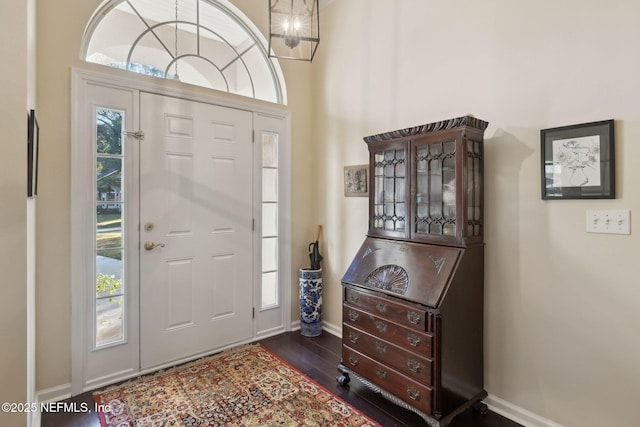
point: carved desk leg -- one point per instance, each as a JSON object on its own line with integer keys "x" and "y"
{"x": 343, "y": 379}
{"x": 480, "y": 407}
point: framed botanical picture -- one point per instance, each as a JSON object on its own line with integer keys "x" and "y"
{"x": 356, "y": 181}
{"x": 578, "y": 161}
{"x": 33, "y": 142}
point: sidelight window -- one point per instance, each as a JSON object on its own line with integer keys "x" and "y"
{"x": 270, "y": 290}
{"x": 109, "y": 226}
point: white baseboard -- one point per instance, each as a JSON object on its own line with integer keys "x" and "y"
{"x": 332, "y": 329}
{"x": 54, "y": 394}
{"x": 517, "y": 414}
{"x": 328, "y": 327}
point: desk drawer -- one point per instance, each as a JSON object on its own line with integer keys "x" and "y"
{"x": 416, "y": 341}
{"x": 411, "y": 316}
{"x": 406, "y": 389}
{"x": 413, "y": 365}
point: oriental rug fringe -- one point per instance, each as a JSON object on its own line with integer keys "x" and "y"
{"x": 249, "y": 386}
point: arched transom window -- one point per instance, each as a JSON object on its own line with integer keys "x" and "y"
{"x": 202, "y": 42}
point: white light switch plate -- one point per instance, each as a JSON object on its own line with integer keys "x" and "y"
{"x": 609, "y": 221}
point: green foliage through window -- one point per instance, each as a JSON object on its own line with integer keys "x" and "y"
{"x": 107, "y": 284}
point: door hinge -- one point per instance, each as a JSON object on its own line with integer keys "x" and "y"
{"x": 253, "y": 312}
{"x": 139, "y": 135}
{"x": 253, "y": 224}
{"x": 253, "y": 136}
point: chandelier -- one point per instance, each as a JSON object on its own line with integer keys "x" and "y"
{"x": 294, "y": 29}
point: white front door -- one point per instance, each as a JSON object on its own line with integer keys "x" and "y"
{"x": 195, "y": 228}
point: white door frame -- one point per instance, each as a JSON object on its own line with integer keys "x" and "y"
{"x": 82, "y": 249}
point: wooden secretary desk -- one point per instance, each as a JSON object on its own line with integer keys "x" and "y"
{"x": 413, "y": 294}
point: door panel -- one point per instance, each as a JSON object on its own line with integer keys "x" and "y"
{"x": 196, "y": 200}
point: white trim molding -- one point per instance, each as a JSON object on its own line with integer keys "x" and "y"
{"x": 517, "y": 414}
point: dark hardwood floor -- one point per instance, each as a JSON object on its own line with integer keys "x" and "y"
{"x": 317, "y": 358}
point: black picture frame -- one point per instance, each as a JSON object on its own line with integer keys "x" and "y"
{"x": 33, "y": 150}
{"x": 578, "y": 161}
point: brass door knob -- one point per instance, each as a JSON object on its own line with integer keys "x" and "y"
{"x": 149, "y": 245}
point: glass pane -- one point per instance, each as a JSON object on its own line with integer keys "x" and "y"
{"x": 389, "y": 155}
{"x": 470, "y": 190}
{"x": 389, "y": 209}
{"x": 400, "y": 169}
{"x": 104, "y": 37}
{"x": 378, "y": 193}
{"x": 109, "y": 273}
{"x": 269, "y": 219}
{"x": 109, "y": 325}
{"x": 263, "y": 82}
{"x": 269, "y": 289}
{"x": 435, "y": 228}
{"x": 269, "y": 254}
{"x": 449, "y": 147}
{"x": 239, "y": 79}
{"x": 435, "y": 192}
{"x": 269, "y": 185}
{"x": 423, "y": 210}
{"x": 109, "y": 228}
{"x": 389, "y": 190}
{"x": 449, "y": 187}
{"x": 109, "y": 131}
{"x": 449, "y": 230}
{"x": 109, "y": 179}
{"x": 269, "y": 150}
{"x": 399, "y": 190}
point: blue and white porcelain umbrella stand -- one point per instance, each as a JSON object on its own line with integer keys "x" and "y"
{"x": 311, "y": 292}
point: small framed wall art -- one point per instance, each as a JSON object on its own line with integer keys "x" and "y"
{"x": 356, "y": 181}
{"x": 33, "y": 148}
{"x": 578, "y": 161}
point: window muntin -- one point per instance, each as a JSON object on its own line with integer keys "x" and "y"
{"x": 201, "y": 42}
{"x": 110, "y": 227}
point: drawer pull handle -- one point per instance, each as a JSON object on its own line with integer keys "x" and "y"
{"x": 381, "y": 373}
{"x": 354, "y": 360}
{"x": 354, "y": 299}
{"x": 413, "y": 317}
{"x": 353, "y": 337}
{"x": 413, "y": 339}
{"x": 414, "y": 366}
{"x": 382, "y": 348}
{"x": 354, "y": 316}
{"x": 381, "y": 307}
{"x": 413, "y": 393}
{"x": 381, "y": 326}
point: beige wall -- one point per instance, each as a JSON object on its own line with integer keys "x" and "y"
{"x": 60, "y": 28}
{"x": 15, "y": 102}
{"x": 562, "y": 306}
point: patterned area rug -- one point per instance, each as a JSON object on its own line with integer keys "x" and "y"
{"x": 244, "y": 387}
